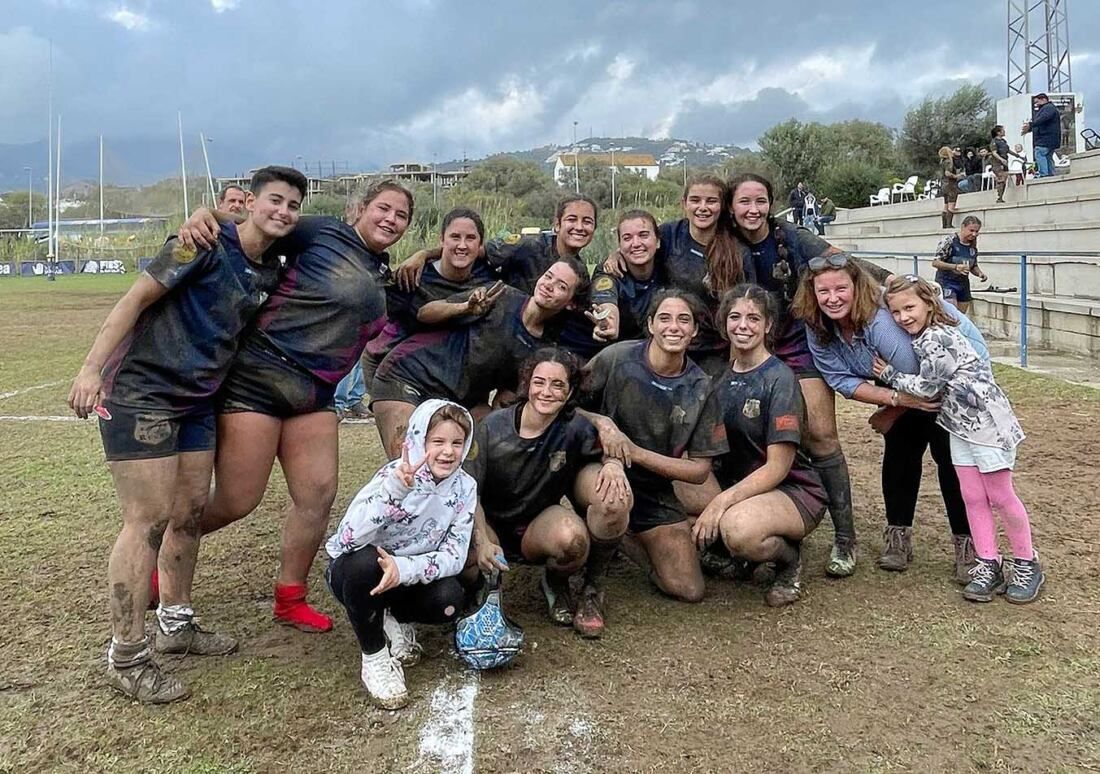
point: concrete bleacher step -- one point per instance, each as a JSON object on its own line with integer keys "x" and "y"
{"x": 1068, "y": 236}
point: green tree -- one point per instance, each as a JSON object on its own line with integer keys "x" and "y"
{"x": 507, "y": 175}
{"x": 865, "y": 141}
{"x": 13, "y": 209}
{"x": 963, "y": 118}
{"x": 849, "y": 182}
{"x": 797, "y": 152}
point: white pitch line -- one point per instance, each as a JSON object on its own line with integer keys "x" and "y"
{"x": 13, "y": 393}
{"x": 43, "y": 419}
{"x": 447, "y": 738}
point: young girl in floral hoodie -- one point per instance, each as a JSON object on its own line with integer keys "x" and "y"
{"x": 984, "y": 434}
{"x": 403, "y": 540}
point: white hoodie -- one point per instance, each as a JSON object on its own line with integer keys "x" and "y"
{"x": 426, "y": 527}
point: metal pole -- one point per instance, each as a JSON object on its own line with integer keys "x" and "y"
{"x": 916, "y": 266}
{"x": 49, "y": 169}
{"x": 183, "y": 164}
{"x": 1023, "y": 311}
{"x": 203, "y": 139}
{"x": 57, "y": 214}
{"x": 30, "y": 198}
{"x": 101, "y": 185}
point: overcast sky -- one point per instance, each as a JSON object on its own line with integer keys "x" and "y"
{"x": 392, "y": 80}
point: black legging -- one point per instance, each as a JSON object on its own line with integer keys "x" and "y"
{"x": 351, "y": 578}
{"x": 902, "y": 465}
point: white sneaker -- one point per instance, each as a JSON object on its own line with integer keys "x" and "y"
{"x": 402, "y": 638}
{"x": 385, "y": 680}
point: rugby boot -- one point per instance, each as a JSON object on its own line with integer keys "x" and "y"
{"x": 131, "y": 672}
{"x": 842, "y": 557}
{"x": 358, "y": 410}
{"x": 964, "y": 559}
{"x": 1027, "y": 579}
{"x": 786, "y": 589}
{"x": 291, "y": 609}
{"x": 384, "y": 680}
{"x": 189, "y": 639}
{"x": 898, "y": 551}
{"x": 588, "y": 620}
{"x": 559, "y": 605}
{"x": 402, "y": 639}
{"x": 986, "y": 581}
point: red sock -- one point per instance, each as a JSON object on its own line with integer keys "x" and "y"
{"x": 292, "y": 609}
{"x": 154, "y": 590}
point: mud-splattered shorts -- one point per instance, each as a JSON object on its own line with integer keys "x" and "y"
{"x": 265, "y": 381}
{"x": 139, "y": 434}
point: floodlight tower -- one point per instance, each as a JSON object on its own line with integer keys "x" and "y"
{"x": 1038, "y": 37}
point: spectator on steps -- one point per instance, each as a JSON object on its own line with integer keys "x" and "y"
{"x": 1045, "y": 127}
{"x": 949, "y": 187}
{"x": 797, "y": 202}
{"x": 827, "y": 216}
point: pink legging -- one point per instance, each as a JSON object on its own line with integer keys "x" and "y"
{"x": 984, "y": 493}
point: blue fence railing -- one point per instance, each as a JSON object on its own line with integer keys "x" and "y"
{"x": 1023, "y": 289}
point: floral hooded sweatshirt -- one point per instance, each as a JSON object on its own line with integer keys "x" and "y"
{"x": 426, "y": 528}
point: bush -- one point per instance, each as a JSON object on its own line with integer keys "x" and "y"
{"x": 849, "y": 183}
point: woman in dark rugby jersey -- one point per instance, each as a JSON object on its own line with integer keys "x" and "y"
{"x": 526, "y": 458}
{"x": 151, "y": 377}
{"x": 466, "y": 362}
{"x": 459, "y": 268}
{"x": 687, "y": 249}
{"x": 277, "y": 402}
{"x": 653, "y": 409}
{"x": 520, "y": 260}
{"x": 771, "y": 495}
{"x": 620, "y": 302}
{"x": 773, "y": 254}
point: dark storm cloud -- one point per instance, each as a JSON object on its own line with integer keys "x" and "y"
{"x": 385, "y": 80}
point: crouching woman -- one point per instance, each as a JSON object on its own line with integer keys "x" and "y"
{"x": 771, "y": 497}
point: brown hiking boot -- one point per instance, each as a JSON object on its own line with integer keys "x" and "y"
{"x": 190, "y": 639}
{"x": 964, "y": 559}
{"x": 898, "y": 552}
{"x": 588, "y": 620}
{"x": 146, "y": 683}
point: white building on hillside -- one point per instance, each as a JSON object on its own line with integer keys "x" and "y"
{"x": 633, "y": 162}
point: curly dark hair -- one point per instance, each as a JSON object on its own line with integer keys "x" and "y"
{"x": 573, "y": 375}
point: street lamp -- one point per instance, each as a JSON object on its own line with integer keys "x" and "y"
{"x": 30, "y": 198}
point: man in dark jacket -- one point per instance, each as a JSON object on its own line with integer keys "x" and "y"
{"x": 1046, "y": 128}
{"x": 797, "y": 202}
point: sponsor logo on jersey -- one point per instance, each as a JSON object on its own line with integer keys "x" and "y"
{"x": 603, "y": 283}
{"x": 751, "y": 409}
{"x": 786, "y": 422}
{"x": 557, "y": 461}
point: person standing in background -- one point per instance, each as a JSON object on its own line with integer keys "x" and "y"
{"x": 1045, "y": 127}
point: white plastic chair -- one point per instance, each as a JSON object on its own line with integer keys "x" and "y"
{"x": 989, "y": 179}
{"x": 901, "y": 190}
{"x": 1060, "y": 161}
{"x": 882, "y": 197}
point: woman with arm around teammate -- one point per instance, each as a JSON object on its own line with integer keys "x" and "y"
{"x": 847, "y": 327}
